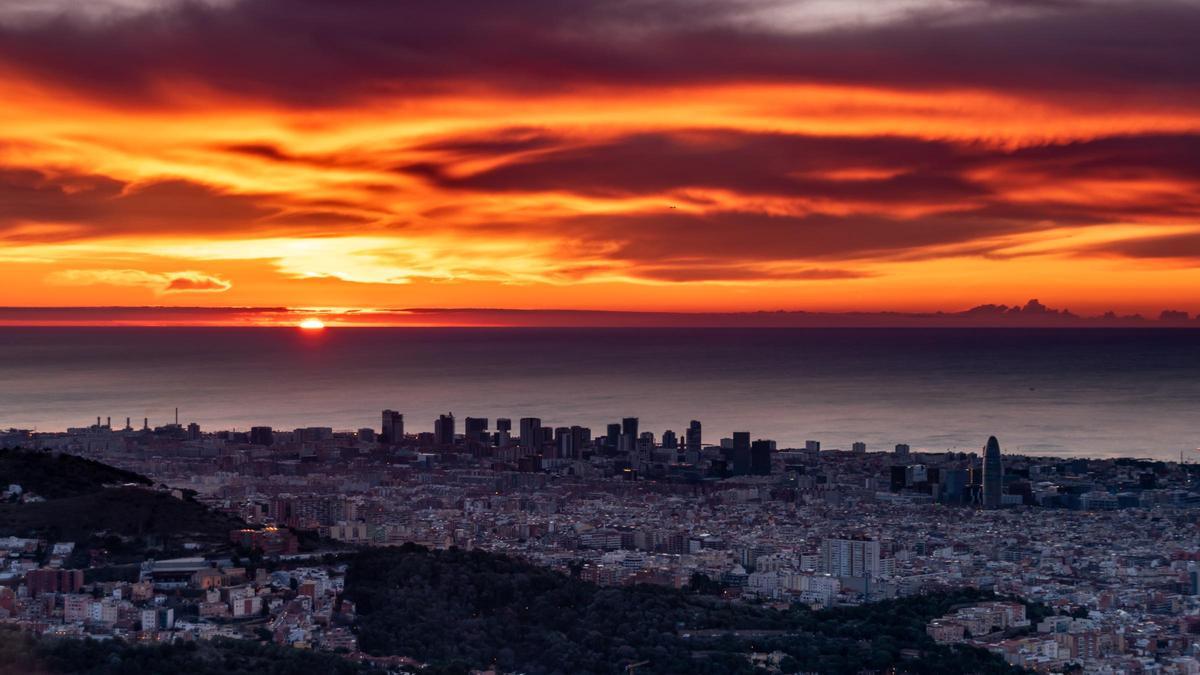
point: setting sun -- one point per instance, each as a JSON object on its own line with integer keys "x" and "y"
{"x": 312, "y": 324}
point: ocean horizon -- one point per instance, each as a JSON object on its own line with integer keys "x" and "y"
{"x": 1071, "y": 392}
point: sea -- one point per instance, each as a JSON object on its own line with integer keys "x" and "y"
{"x": 1070, "y": 392}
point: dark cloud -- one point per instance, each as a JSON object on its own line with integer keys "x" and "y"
{"x": 91, "y": 205}
{"x": 317, "y": 52}
{"x": 884, "y": 171}
{"x": 1185, "y": 246}
{"x": 747, "y": 163}
{"x": 716, "y": 271}
{"x": 751, "y": 236}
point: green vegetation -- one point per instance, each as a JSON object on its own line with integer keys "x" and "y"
{"x": 459, "y": 610}
{"x": 126, "y": 521}
{"x": 58, "y": 476}
{"x": 24, "y": 655}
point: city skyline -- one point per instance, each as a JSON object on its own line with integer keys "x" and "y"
{"x": 907, "y": 155}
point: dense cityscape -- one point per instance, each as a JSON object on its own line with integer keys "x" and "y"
{"x": 1104, "y": 554}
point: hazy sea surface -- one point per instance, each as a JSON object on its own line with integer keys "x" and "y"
{"x": 1054, "y": 391}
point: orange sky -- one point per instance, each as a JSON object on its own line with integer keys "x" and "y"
{"x": 896, "y": 155}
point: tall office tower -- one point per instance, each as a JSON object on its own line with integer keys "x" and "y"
{"x": 902, "y": 450}
{"x": 503, "y": 424}
{"x": 669, "y": 440}
{"x": 692, "y": 436}
{"x": 952, "y": 487}
{"x": 443, "y": 430}
{"x": 859, "y": 447}
{"x": 993, "y": 474}
{"x": 564, "y": 442}
{"x": 629, "y": 434}
{"x": 393, "y": 427}
{"x": 760, "y": 458}
{"x": 581, "y": 437}
{"x": 531, "y": 432}
{"x": 193, "y": 431}
{"x": 262, "y": 436}
{"x": 629, "y": 425}
{"x": 850, "y": 557}
{"x": 812, "y": 446}
{"x": 741, "y": 453}
{"x": 366, "y": 435}
{"x": 475, "y": 429}
{"x": 612, "y": 437}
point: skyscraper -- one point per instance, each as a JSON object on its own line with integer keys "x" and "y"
{"x": 629, "y": 434}
{"x": 393, "y": 427}
{"x": 993, "y": 474}
{"x": 531, "y": 432}
{"x": 612, "y": 437}
{"x": 475, "y": 429}
{"x": 443, "y": 430}
{"x": 692, "y": 439}
{"x": 741, "y": 453}
{"x": 760, "y": 458}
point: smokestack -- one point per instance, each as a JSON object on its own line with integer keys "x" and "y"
{"x": 127, "y": 425}
{"x": 176, "y": 416}
{"x": 146, "y": 423}
{"x": 97, "y": 421}
{"x": 108, "y": 421}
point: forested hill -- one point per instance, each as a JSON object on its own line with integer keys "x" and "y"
{"x": 460, "y": 610}
{"x": 57, "y": 476}
{"x": 98, "y": 506}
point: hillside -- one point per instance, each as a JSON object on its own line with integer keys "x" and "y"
{"x": 126, "y": 519}
{"x": 21, "y": 654}
{"x": 460, "y": 610}
{"x": 57, "y": 476}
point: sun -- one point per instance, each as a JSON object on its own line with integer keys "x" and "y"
{"x": 312, "y": 324}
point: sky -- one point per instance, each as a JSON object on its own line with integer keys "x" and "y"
{"x": 631, "y": 155}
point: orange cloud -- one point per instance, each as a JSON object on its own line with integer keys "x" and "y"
{"x": 646, "y": 155}
{"x": 173, "y": 282}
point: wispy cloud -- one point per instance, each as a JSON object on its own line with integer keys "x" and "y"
{"x": 187, "y": 281}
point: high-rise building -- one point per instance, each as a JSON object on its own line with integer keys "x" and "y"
{"x": 902, "y": 450}
{"x": 612, "y": 436}
{"x": 443, "y": 430}
{"x": 993, "y": 474}
{"x": 503, "y": 424}
{"x": 629, "y": 425}
{"x": 393, "y": 427}
{"x": 760, "y": 458}
{"x": 669, "y": 440}
{"x": 741, "y": 453}
{"x": 531, "y": 432}
{"x": 193, "y": 431}
{"x": 858, "y": 447}
{"x": 262, "y": 436}
{"x": 692, "y": 437}
{"x": 629, "y": 435}
{"x": 850, "y": 557}
{"x": 812, "y": 446}
{"x": 564, "y": 442}
{"x": 475, "y": 429}
{"x": 581, "y": 437}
